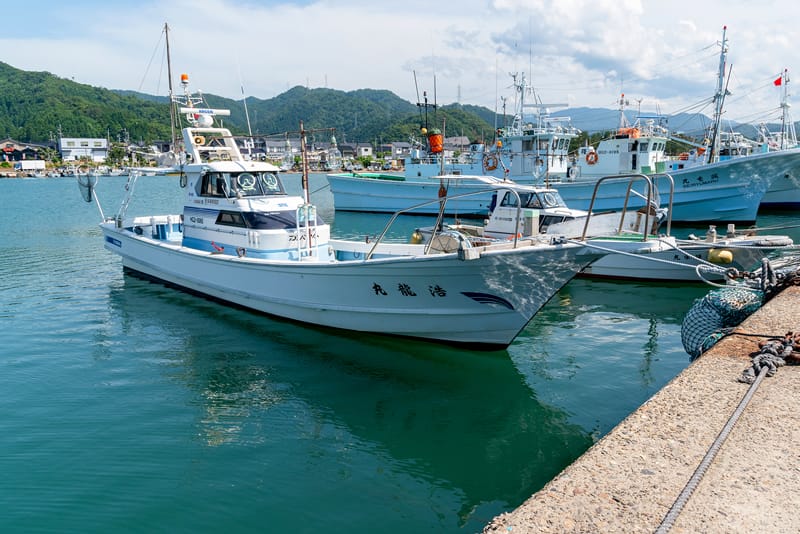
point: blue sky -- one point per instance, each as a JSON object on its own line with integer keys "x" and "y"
{"x": 662, "y": 55}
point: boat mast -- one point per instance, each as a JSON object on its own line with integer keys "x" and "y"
{"x": 304, "y": 162}
{"x": 719, "y": 98}
{"x": 788, "y": 135}
{"x": 173, "y": 118}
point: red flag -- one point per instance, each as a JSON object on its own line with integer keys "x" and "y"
{"x": 777, "y": 80}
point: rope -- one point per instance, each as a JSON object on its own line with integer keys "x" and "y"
{"x": 683, "y": 498}
{"x": 773, "y": 354}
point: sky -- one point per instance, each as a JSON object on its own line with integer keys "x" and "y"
{"x": 663, "y": 56}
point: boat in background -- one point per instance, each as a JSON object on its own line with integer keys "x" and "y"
{"x": 636, "y": 248}
{"x": 387, "y": 193}
{"x": 711, "y": 186}
{"x": 522, "y": 151}
{"x": 241, "y": 239}
{"x": 784, "y": 193}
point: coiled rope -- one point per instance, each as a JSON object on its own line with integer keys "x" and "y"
{"x": 774, "y": 353}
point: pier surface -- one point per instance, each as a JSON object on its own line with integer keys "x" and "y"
{"x": 630, "y": 479}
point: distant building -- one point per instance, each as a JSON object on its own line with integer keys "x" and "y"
{"x": 348, "y": 150}
{"x": 459, "y": 143}
{"x": 11, "y": 150}
{"x": 76, "y": 148}
{"x": 363, "y": 150}
{"x": 400, "y": 149}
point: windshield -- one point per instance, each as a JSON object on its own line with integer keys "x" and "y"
{"x": 538, "y": 200}
{"x": 241, "y": 184}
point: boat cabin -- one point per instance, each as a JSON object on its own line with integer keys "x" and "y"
{"x": 540, "y": 208}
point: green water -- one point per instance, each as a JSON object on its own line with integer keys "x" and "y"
{"x": 128, "y": 406}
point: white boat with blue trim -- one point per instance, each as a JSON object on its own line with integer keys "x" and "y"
{"x": 241, "y": 239}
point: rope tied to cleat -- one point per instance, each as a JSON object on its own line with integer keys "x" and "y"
{"x": 773, "y": 353}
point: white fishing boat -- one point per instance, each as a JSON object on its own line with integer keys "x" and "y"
{"x": 387, "y": 193}
{"x": 241, "y": 239}
{"x": 694, "y": 259}
{"x": 636, "y": 246}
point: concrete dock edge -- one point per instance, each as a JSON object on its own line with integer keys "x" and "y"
{"x": 629, "y": 480}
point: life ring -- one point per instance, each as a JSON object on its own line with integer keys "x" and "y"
{"x": 199, "y": 140}
{"x": 591, "y": 158}
{"x": 572, "y": 172}
{"x": 490, "y": 162}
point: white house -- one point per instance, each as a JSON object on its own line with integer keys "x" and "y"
{"x": 76, "y": 148}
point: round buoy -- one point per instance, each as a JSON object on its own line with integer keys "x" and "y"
{"x": 720, "y": 256}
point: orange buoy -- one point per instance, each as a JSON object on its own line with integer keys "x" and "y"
{"x": 436, "y": 141}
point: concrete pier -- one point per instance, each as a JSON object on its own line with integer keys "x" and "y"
{"x": 630, "y": 479}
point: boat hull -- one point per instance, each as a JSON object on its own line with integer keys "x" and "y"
{"x": 361, "y": 193}
{"x": 679, "y": 262}
{"x": 482, "y": 302}
{"x": 784, "y": 193}
{"x": 727, "y": 191}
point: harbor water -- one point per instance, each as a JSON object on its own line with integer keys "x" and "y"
{"x": 129, "y": 406}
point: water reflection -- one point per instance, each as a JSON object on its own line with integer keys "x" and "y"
{"x": 458, "y": 420}
{"x": 598, "y": 350}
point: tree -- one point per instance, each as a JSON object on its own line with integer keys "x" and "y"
{"x": 116, "y": 154}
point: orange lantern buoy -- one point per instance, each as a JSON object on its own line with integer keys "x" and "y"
{"x": 436, "y": 141}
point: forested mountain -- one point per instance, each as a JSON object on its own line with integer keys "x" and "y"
{"x": 34, "y": 106}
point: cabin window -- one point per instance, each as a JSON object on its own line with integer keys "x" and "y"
{"x": 231, "y": 218}
{"x": 243, "y": 184}
{"x": 213, "y": 184}
{"x": 643, "y": 147}
{"x": 277, "y": 220}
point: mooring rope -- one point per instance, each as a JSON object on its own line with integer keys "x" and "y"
{"x": 683, "y": 498}
{"x": 773, "y": 353}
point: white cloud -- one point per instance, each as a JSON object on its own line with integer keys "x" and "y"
{"x": 585, "y": 52}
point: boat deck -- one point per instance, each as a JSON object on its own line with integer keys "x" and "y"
{"x": 630, "y": 479}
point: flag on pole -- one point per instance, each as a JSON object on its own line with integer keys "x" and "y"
{"x": 777, "y": 81}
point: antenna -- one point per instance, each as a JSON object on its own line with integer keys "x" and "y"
{"x": 244, "y": 99}
{"x": 416, "y": 87}
{"x": 434, "y": 96}
{"x": 173, "y": 119}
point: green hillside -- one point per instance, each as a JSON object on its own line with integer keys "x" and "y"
{"x": 34, "y": 105}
